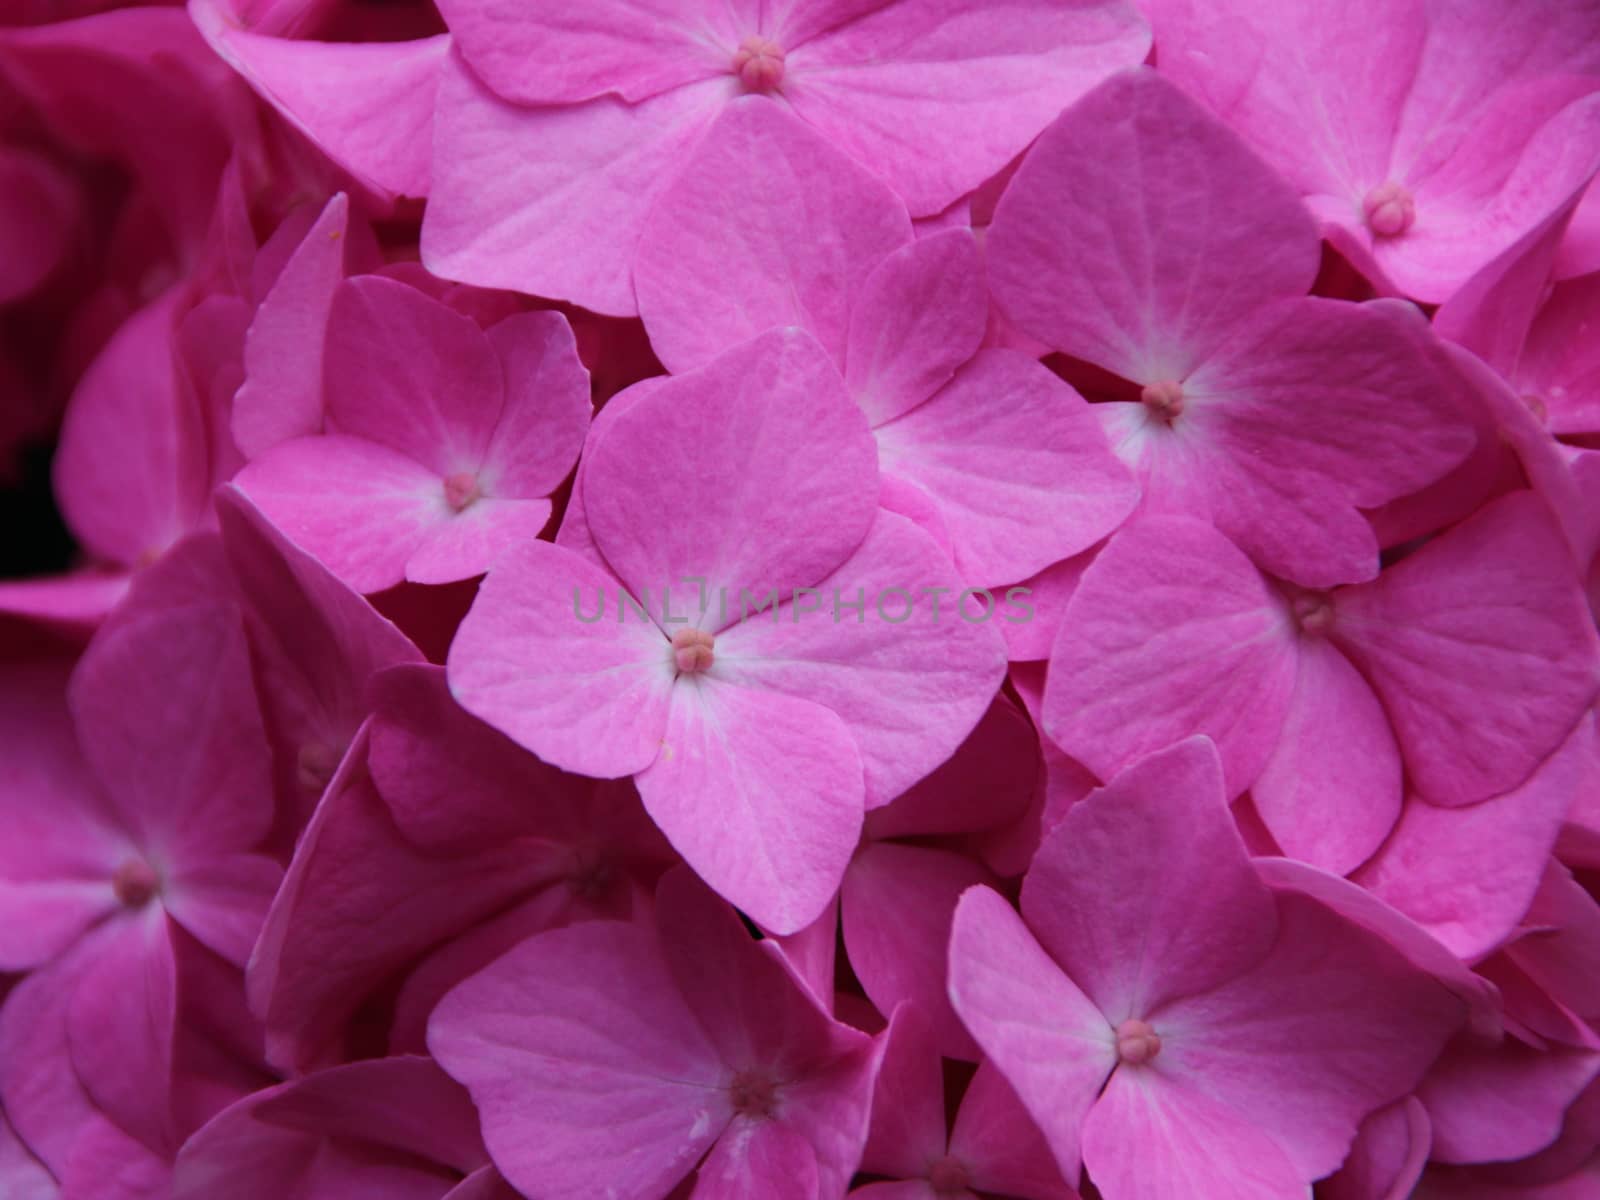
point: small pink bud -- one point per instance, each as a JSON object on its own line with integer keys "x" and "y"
{"x": 461, "y": 489}
{"x": 1389, "y": 209}
{"x": 1313, "y": 612}
{"x": 1137, "y": 1042}
{"x": 758, "y": 62}
{"x": 691, "y": 650}
{"x": 1163, "y": 399}
{"x": 135, "y": 883}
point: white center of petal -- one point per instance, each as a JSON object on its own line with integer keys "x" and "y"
{"x": 1389, "y": 209}
{"x": 758, "y": 62}
{"x": 461, "y": 489}
{"x": 1137, "y": 1042}
{"x": 1163, "y": 400}
{"x": 135, "y": 883}
{"x": 691, "y": 650}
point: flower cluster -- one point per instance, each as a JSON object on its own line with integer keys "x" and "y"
{"x": 716, "y": 599}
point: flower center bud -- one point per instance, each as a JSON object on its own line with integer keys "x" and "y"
{"x": 461, "y": 489}
{"x": 758, "y": 62}
{"x": 1137, "y": 1042}
{"x": 753, "y": 1094}
{"x": 1313, "y": 612}
{"x": 691, "y": 650}
{"x": 947, "y": 1176}
{"x": 135, "y": 883}
{"x": 1163, "y": 400}
{"x": 1538, "y": 408}
{"x": 316, "y": 763}
{"x": 1389, "y": 209}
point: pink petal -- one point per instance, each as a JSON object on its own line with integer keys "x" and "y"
{"x": 281, "y": 396}
{"x": 1190, "y": 913}
{"x": 168, "y": 719}
{"x": 223, "y": 902}
{"x": 588, "y": 696}
{"x": 756, "y": 470}
{"x": 1144, "y": 289}
{"x": 759, "y": 1158}
{"x": 908, "y": 1121}
{"x": 1045, "y": 1036}
{"x": 1388, "y": 1156}
{"x": 898, "y": 902}
{"x": 1000, "y": 1145}
{"x": 937, "y": 96}
{"x": 729, "y": 252}
{"x": 1207, "y": 651}
{"x": 563, "y": 206}
{"x": 360, "y": 508}
{"x": 761, "y": 794}
{"x": 1491, "y": 608}
{"x": 368, "y": 106}
{"x": 865, "y": 651}
{"x": 914, "y": 321}
{"x": 1331, "y": 1025}
{"x": 474, "y": 540}
{"x": 633, "y": 48}
{"x": 1016, "y": 464}
{"x": 23, "y": 1176}
{"x": 547, "y": 409}
{"x": 582, "y": 1088}
{"x": 1330, "y": 792}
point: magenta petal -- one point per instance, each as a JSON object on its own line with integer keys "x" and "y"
{"x": 1015, "y": 463}
{"x": 21, "y": 1175}
{"x": 761, "y": 794}
{"x": 759, "y": 1158}
{"x": 1493, "y": 606}
{"x": 1134, "y": 206}
{"x": 547, "y": 408}
{"x": 729, "y": 252}
{"x": 589, "y": 695}
{"x": 898, "y": 902}
{"x": 908, "y": 1121}
{"x": 583, "y": 1088}
{"x": 1001, "y": 1147}
{"x": 1209, "y": 651}
{"x": 1330, "y": 793}
{"x": 1191, "y": 912}
{"x": 1388, "y": 1155}
{"x": 1049, "y": 1040}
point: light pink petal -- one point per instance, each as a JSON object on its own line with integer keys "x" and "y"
{"x": 583, "y": 1087}
{"x": 472, "y": 541}
{"x": 121, "y": 1025}
{"x": 1139, "y": 231}
{"x": 987, "y": 783}
{"x": 1561, "y": 952}
{"x": 914, "y": 320}
{"x": 1016, "y": 464}
{"x": 754, "y": 472}
{"x": 547, "y": 407}
{"x": 168, "y": 719}
{"x": 1044, "y": 1035}
{"x": 131, "y": 474}
{"x": 759, "y": 1158}
{"x": 1031, "y": 612}
{"x": 358, "y": 904}
{"x": 1208, "y": 650}
{"x": 732, "y": 248}
{"x": 1493, "y": 608}
{"x": 1496, "y": 1102}
{"x": 1311, "y": 409}
{"x": 585, "y": 692}
{"x": 1001, "y": 1147}
{"x": 360, "y": 508}
{"x": 633, "y": 48}
{"x": 1388, "y": 1155}
{"x": 761, "y": 794}
{"x": 368, "y": 106}
{"x": 408, "y": 372}
{"x": 1150, "y": 1137}
{"x": 1560, "y": 364}
{"x": 1331, "y": 791}
{"x": 1190, "y": 913}
{"x": 1467, "y": 875}
{"x": 908, "y": 1120}
{"x": 898, "y": 902}
{"x": 813, "y": 952}
{"x": 937, "y": 96}
{"x": 281, "y": 396}
{"x": 108, "y": 1164}
{"x": 549, "y": 200}
{"x": 881, "y": 645}
{"x": 1333, "y": 1024}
